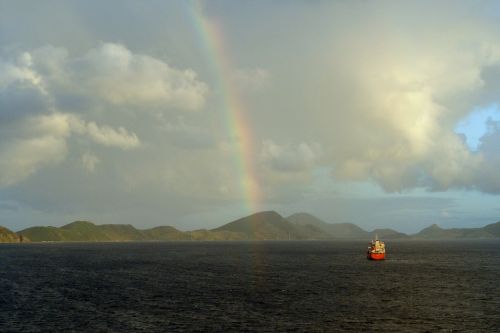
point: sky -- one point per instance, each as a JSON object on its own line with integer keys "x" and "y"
{"x": 196, "y": 113}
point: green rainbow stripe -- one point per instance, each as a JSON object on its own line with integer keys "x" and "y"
{"x": 211, "y": 39}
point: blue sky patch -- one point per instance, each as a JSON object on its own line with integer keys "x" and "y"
{"x": 475, "y": 125}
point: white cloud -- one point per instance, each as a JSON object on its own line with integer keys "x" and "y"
{"x": 105, "y": 135}
{"x": 389, "y": 110}
{"x": 22, "y": 91}
{"x": 19, "y": 71}
{"x": 113, "y": 74}
{"x": 35, "y": 88}
{"x": 41, "y": 141}
{"x": 23, "y": 156}
{"x": 287, "y": 158}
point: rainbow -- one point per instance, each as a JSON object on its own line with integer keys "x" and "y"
{"x": 211, "y": 39}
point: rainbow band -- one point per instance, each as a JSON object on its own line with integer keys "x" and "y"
{"x": 211, "y": 38}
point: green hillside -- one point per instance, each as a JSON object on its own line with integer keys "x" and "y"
{"x": 330, "y": 230}
{"x": 436, "y": 232}
{"x": 270, "y": 226}
{"x": 164, "y": 233}
{"x": 493, "y": 229}
{"x": 387, "y": 234}
{"x": 84, "y": 231}
{"x": 8, "y": 236}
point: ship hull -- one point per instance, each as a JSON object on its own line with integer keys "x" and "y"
{"x": 376, "y": 256}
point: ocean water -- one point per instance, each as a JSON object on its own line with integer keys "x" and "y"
{"x": 292, "y": 286}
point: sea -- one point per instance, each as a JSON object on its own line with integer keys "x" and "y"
{"x": 254, "y": 286}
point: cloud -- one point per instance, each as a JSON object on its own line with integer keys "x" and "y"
{"x": 188, "y": 136}
{"x": 284, "y": 171}
{"x": 386, "y": 111}
{"x": 378, "y": 88}
{"x": 19, "y": 71}
{"x": 48, "y": 96}
{"x": 288, "y": 158}
{"x": 113, "y": 74}
{"x": 90, "y": 161}
{"x": 105, "y": 135}
{"x": 41, "y": 141}
{"x": 21, "y": 156}
{"x": 489, "y": 148}
{"x": 21, "y": 89}
{"x": 251, "y": 80}
{"x": 369, "y": 90}
{"x": 107, "y": 75}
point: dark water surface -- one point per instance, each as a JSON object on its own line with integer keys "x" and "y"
{"x": 249, "y": 286}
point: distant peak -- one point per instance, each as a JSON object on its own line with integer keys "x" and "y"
{"x": 79, "y": 224}
{"x": 4, "y": 229}
{"x": 302, "y": 215}
{"x": 265, "y": 213}
{"x": 432, "y": 228}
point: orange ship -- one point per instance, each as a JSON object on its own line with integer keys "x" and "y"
{"x": 376, "y": 250}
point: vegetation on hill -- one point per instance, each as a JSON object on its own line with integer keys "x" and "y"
{"x": 84, "y": 231}
{"x": 271, "y": 226}
{"x": 436, "y": 232}
{"x": 330, "y": 230}
{"x": 493, "y": 229}
{"x": 8, "y": 236}
{"x": 388, "y": 234}
{"x": 267, "y": 225}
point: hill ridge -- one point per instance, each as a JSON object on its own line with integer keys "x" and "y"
{"x": 265, "y": 225}
{"x": 8, "y": 236}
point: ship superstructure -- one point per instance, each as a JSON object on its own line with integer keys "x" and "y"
{"x": 376, "y": 250}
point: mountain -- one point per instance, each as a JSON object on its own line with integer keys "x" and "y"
{"x": 89, "y": 232}
{"x": 45, "y": 234}
{"x": 82, "y": 231}
{"x": 306, "y": 219}
{"x": 85, "y": 231}
{"x": 270, "y": 225}
{"x": 388, "y": 234}
{"x": 337, "y": 230}
{"x": 352, "y": 231}
{"x": 216, "y": 235}
{"x": 436, "y": 232}
{"x": 8, "y": 236}
{"x": 164, "y": 233}
{"x": 493, "y": 229}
